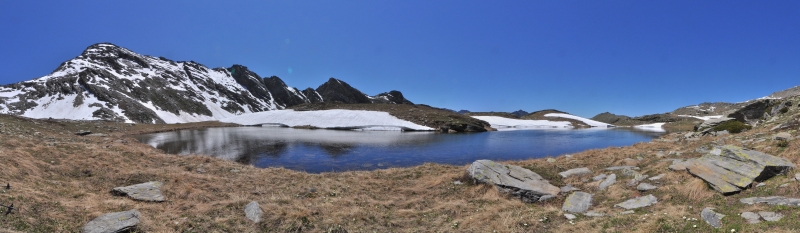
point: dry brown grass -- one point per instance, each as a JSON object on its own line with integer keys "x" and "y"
{"x": 59, "y": 187}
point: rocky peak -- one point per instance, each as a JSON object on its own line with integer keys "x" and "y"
{"x": 337, "y": 90}
{"x": 394, "y": 97}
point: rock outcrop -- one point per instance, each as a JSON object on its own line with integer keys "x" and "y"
{"x": 517, "y": 181}
{"x": 712, "y": 218}
{"x": 577, "y": 202}
{"x": 113, "y": 222}
{"x": 730, "y": 169}
{"x": 253, "y": 211}
{"x": 150, "y": 191}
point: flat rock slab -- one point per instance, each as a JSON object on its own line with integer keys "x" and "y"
{"x": 782, "y": 136}
{"x": 752, "y": 218}
{"x": 658, "y": 177}
{"x": 594, "y": 214}
{"x": 570, "y": 216}
{"x": 150, "y": 191}
{"x": 575, "y": 172}
{"x": 678, "y": 165}
{"x": 712, "y": 218}
{"x": 599, "y": 177}
{"x": 645, "y": 187}
{"x": 729, "y": 169}
{"x": 113, "y": 222}
{"x": 771, "y": 216}
{"x": 577, "y": 202}
{"x": 611, "y": 179}
{"x": 638, "y": 202}
{"x": 773, "y": 200}
{"x": 253, "y": 211}
{"x": 518, "y": 181}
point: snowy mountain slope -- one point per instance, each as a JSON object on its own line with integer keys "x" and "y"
{"x": 335, "y": 118}
{"x": 108, "y": 82}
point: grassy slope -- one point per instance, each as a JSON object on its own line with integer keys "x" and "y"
{"x": 61, "y": 181}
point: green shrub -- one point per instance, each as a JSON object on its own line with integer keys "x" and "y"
{"x": 782, "y": 143}
{"x": 784, "y": 109}
{"x": 732, "y": 127}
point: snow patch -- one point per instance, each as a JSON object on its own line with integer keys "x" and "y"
{"x": 335, "y": 118}
{"x": 705, "y": 118}
{"x": 654, "y": 127}
{"x": 592, "y": 123}
{"x": 502, "y": 123}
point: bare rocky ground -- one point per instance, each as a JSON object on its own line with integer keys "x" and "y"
{"x": 60, "y": 181}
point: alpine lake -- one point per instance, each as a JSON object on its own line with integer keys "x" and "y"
{"x": 320, "y": 150}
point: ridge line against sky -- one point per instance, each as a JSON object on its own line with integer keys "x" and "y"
{"x": 582, "y": 57}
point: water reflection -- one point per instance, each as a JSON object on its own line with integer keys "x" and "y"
{"x": 330, "y": 150}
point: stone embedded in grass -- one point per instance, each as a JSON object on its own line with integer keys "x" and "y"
{"x": 113, "y": 222}
{"x": 517, "y": 181}
{"x": 575, "y": 172}
{"x": 712, "y": 218}
{"x": 782, "y": 136}
{"x": 621, "y": 168}
{"x": 568, "y": 188}
{"x": 599, "y": 177}
{"x": 577, "y": 202}
{"x": 658, "y": 177}
{"x": 626, "y": 212}
{"x": 150, "y": 191}
{"x": 638, "y": 202}
{"x": 645, "y": 187}
{"x": 797, "y": 176}
{"x": 773, "y": 200}
{"x": 611, "y": 179}
{"x": 729, "y": 169}
{"x": 594, "y": 214}
{"x": 253, "y": 211}
{"x": 752, "y": 218}
{"x": 678, "y": 165}
{"x": 771, "y": 216}
{"x": 570, "y": 216}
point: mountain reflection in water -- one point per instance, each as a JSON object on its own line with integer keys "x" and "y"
{"x": 333, "y": 150}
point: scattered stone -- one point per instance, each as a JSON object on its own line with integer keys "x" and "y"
{"x": 626, "y": 212}
{"x": 784, "y": 185}
{"x": 782, "y": 136}
{"x": 660, "y": 154}
{"x": 630, "y": 173}
{"x": 568, "y": 188}
{"x": 83, "y": 132}
{"x": 621, "y": 167}
{"x": 658, "y": 177}
{"x": 771, "y": 216}
{"x": 253, "y": 211}
{"x": 594, "y": 214}
{"x": 150, "y": 191}
{"x": 773, "y": 200}
{"x": 611, "y": 179}
{"x": 577, "y": 202}
{"x": 761, "y": 184}
{"x": 712, "y": 218}
{"x": 797, "y": 176}
{"x": 551, "y": 160}
{"x": 518, "y": 181}
{"x": 599, "y": 177}
{"x": 645, "y": 187}
{"x": 752, "y": 218}
{"x": 730, "y": 169}
{"x": 113, "y": 222}
{"x": 568, "y": 156}
{"x": 546, "y": 197}
{"x": 457, "y": 182}
{"x": 575, "y": 172}
{"x": 720, "y": 133}
{"x": 638, "y": 202}
{"x": 570, "y": 216}
{"x": 688, "y": 135}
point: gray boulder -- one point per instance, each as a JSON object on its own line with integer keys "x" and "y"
{"x": 253, "y": 211}
{"x": 577, "y": 202}
{"x": 730, "y": 169}
{"x": 645, "y": 187}
{"x": 113, "y": 222}
{"x": 517, "y": 181}
{"x": 599, "y": 177}
{"x": 638, "y": 202}
{"x": 752, "y": 218}
{"x": 150, "y": 191}
{"x": 678, "y": 165}
{"x": 658, "y": 177}
{"x": 712, "y": 218}
{"x": 782, "y": 136}
{"x": 707, "y": 126}
{"x": 771, "y": 216}
{"x": 575, "y": 172}
{"x": 621, "y": 168}
{"x": 611, "y": 179}
{"x": 568, "y": 188}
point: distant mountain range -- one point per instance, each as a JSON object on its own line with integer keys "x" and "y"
{"x": 108, "y": 82}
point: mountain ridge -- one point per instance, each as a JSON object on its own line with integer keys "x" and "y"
{"x": 110, "y": 82}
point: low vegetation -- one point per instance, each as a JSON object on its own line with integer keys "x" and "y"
{"x": 732, "y": 127}
{"x": 60, "y": 181}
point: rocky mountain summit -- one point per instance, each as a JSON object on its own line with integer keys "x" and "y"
{"x": 108, "y": 82}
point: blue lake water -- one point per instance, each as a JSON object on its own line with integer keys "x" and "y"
{"x": 333, "y": 150}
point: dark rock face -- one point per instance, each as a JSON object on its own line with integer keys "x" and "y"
{"x": 335, "y": 90}
{"x": 752, "y": 112}
{"x": 609, "y": 118}
{"x": 520, "y": 113}
{"x": 108, "y": 82}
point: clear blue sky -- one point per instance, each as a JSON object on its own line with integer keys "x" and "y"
{"x": 583, "y": 57}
